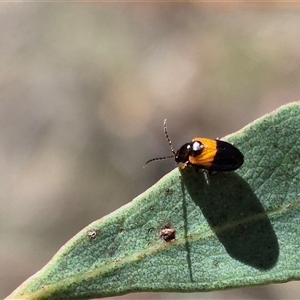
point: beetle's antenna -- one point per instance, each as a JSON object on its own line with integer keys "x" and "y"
{"x": 157, "y": 158}
{"x": 167, "y": 136}
{"x": 170, "y": 144}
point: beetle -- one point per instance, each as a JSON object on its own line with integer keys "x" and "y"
{"x": 204, "y": 153}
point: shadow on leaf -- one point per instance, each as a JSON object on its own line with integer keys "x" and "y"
{"x": 236, "y": 216}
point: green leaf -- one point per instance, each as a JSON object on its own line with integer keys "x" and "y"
{"x": 193, "y": 232}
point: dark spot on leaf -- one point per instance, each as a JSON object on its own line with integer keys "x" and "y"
{"x": 168, "y": 233}
{"x": 168, "y": 191}
{"x": 92, "y": 234}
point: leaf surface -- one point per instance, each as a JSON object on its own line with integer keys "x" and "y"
{"x": 192, "y": 232}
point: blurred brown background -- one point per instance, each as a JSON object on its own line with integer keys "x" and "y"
{"x": 85, "y": 88}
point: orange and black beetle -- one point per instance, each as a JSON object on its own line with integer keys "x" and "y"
{"x": 207, "y": 154}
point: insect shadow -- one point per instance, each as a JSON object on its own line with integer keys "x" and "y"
{"x": 236, "y": 216}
